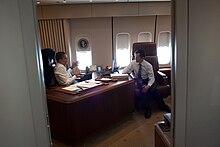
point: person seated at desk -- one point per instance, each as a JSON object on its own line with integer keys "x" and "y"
{"x": 63, "y": 76}
{"x": 145, "y": 86}
{"x": 75, "y": 69}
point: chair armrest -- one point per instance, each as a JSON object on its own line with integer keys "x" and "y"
{"x": 162, "y": 78}
{"x": 161, "y": 74}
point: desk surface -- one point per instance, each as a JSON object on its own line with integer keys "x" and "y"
{"x": 66, "y": 97}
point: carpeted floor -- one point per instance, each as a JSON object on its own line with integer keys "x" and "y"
{"x": 133, "y": 131}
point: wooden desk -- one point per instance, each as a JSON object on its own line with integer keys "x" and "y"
{"x": 75, "y": 117}
{"x": 162, "y": 139}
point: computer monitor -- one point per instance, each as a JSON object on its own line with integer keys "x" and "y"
{"x": 113, "y": 66}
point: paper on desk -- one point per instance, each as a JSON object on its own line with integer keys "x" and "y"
{"x": 82, "y": 85}
{"x": 105, "y": 79}
{"x": 71, "y": 88}
{"x": 119, "y": 75}
{"x": 88, "y": 84}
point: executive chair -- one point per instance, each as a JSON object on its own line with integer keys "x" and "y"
{"x": 151, "y": 56}
{"x": 48, "y": 57}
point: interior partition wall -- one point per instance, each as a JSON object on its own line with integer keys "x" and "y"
{"x": 197, "y": 79}
{"x": 23, "y": 109}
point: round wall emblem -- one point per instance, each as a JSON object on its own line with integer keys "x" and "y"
{"x": 83, "y": 43}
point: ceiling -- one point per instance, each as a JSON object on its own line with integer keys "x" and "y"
{"x": 53, "y": 2}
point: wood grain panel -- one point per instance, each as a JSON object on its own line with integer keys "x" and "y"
{"x": 76, "y": 117}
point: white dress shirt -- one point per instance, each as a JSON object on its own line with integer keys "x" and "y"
{"x": 146, "y": 72}
{"x": 63, "y": 76}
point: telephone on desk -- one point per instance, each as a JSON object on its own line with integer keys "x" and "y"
{"x": 84, "y": 77}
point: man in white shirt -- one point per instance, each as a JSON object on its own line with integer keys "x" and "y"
{"x": 63, "y": 76}
{"x": 145, "y": 86}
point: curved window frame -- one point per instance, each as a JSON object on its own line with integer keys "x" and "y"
{"x": 164, "y": 52}
{"x": 123, "y": 58}
{"x": 150, "y": 36}
{"x": 83, "y": 52}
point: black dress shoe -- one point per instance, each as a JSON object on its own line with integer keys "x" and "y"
{"x": 147, "y": 113}
{"x": 166, "y": 108}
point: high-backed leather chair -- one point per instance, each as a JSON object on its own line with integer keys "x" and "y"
{"x": 151, "y": 56}
{"x": 48, "y": 57}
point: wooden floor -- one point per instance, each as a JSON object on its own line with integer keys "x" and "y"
{"x": 133, "y": 131}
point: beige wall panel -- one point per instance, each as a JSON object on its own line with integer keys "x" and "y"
{"x": 99, "y": 31}
{"x": 103, "y": 10}
{"x": 67, "y": 32}
{"x": 66, "y": 11}
{"x": 119, "y": 9}
{"x": 163, "y": 24}
{"x": 158, "y": 8}
{"x": 134, "y": 25}
{"x": 39, "y": 12}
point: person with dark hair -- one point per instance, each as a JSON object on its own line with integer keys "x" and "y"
{"x": 145, "y": 86}
{"x": 63, "y": 76}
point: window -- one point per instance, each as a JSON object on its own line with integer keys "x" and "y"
{"x": 144, "y": 37}
{"x": 84, "y": 58}
{"x": 83, "y": 51}
{"x": 164, "y": 48}
{"x": 123, "y": 52}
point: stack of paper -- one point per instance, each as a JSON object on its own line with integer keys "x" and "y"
{"x": 82, "y": 85}
{"x": 120, "y": 76}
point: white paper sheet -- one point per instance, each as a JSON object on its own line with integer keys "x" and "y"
{"x": 82, "y": 85}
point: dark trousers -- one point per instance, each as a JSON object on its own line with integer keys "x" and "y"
{"x": 142, "y": 100}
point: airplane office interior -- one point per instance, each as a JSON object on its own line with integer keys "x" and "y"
{"x": 110, "y": 73}
{"x": 100, "y": 108}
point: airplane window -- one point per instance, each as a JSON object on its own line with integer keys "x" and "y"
{"x": 81, "y": 56}
{"x": 164, "y": 48}
{"x": 144, "y": 37}
{"x": 123, "y": 52}
{"x": 83, "y": 51}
